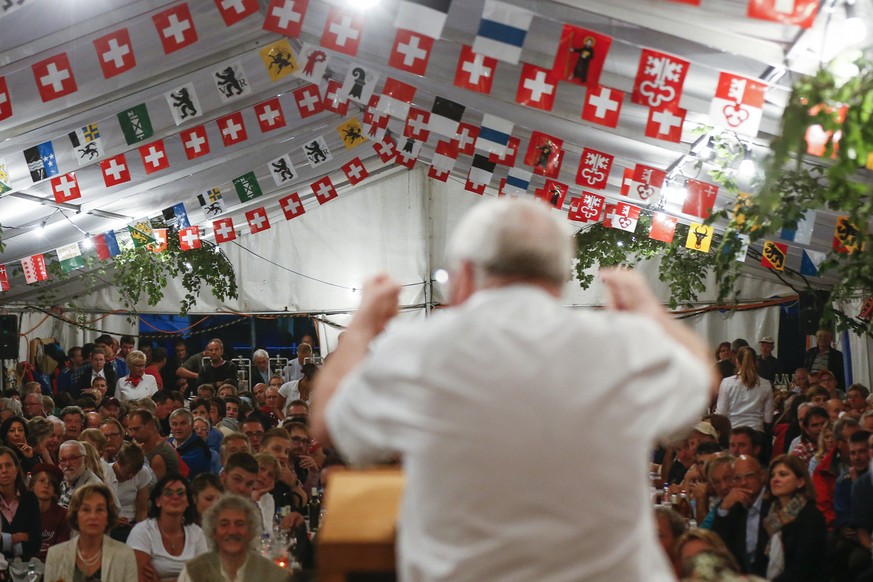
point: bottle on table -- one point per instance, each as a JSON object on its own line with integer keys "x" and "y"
{"x": 314, "y": 510}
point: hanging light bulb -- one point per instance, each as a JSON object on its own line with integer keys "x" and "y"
{"x": 854, "y": 29}
{"x": 86, "y": 243}
{"x": 441, "y": 276}
{"x": 676, "y": 192}
{"x": 747, "y": 166}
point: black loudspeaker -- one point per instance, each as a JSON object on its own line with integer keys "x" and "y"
{"x": 8, "y": 337}
{"x": 811, "y": 306}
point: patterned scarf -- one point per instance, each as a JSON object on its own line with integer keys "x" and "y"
{"x": 779, "y": 517}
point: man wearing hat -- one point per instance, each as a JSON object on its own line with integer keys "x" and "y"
{"x": 768, "y": 364}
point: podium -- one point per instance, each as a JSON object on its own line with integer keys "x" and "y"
{"x": 357, "y": 539}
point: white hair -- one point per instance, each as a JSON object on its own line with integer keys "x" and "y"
{"x": 514, "y": 239}
{"x": 260, "y": 354}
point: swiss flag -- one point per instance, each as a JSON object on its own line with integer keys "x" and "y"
{"x": 594, "y": 167}
{"x": 270, "y": 115}
{"x": 154, "y": 157}
{"x": 175, "y": 28}
{"x": 466, "y": 138}
{"x": 224, "y": 231}
{"x": 232, "y": 11}
{"x": 536, "y": 88}
{"x": 663, "y": 227}
{"x": 286, "y": 17}
{"x": 308, "y": 100}
{"x": 324, "y": 190}
{"x": 343, "y": 31}
{"x": 232, "y": 128}
{"x": 386, "y": 149}
{"x": 333, "y": 101}
{"x": 659, "y": 80}
{"x": 65, "y": 188}
{"x": 115, "y": 170}
{"x": 508, "y": 157}
{"x": 160, "y": 244}
{"x": 665, "y": 124}
{"x": 700, "y": 199}
{"x": 416, "y": 124}
{"x": 195, "y": 141}
{"x": 5, "y": 100}
{"x": 54, "y": 77}
{"x": 475, "y": 72}
{"x": 410, "y": 52}
{"x": 291, "y": 206}
{"x": 189, "y": 238}
{"x": 258, "y": 220}
{"x": 355, "y": 171}
{"x": 798, "y": 12}
{"x": 115, "y": 53}
{"x": 602, "y": 105}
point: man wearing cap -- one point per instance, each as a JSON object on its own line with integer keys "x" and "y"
{"x": 824, "y": 357}
{"x": 768, "y": 364}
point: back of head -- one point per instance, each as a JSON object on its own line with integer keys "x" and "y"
{"x": 514, "y": 239}
{"x": 747, "y": 367}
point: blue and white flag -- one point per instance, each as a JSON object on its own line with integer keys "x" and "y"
{"x": 176, "y": 217}
{"x": 517, "y": 181}
{"x": 803, "y": 233}
{"x": 811, "y": 262}
{"x": 502, "y": 31}
{"x": 41, "y": 161}
{"x": 494, "y": 134}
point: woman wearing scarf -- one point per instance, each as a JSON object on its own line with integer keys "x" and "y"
{"x": 136, "y": 385}
{"x": 796, "y": 528}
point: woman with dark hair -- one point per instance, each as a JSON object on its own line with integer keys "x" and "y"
{"x": 206, "y": 488}
{"x": 169, "y": 537}
{"x": 745, "y": 398}
{"x": 92, "y": 556}
{"x": 45, "y": 483}
{"x": 14, "y": 434}
{"x": 796, "y": 528}
{"x": 19, "y": 510}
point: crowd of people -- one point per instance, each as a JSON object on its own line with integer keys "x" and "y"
{"x": 126, "y": 464}
{"x": 773, "y": 483}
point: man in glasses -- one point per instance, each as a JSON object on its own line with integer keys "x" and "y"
{"x": 304, "y": 465}
{"x": 740, "y": 518}
{"x": 71, "y": 458}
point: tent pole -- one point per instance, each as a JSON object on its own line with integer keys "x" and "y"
{"x": 427, "y": 191}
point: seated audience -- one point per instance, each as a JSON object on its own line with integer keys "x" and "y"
{"x": 670, "y": 526}
{"x": 160, "y": 456}
{"x": 19, "y": 511}
{"x": 45, "y": 483}
{"x": 206, "y": 488}
{"x": 136, "y": 384}
{"x": 129, "y": 479}
{"x": 14, "y": 434}
{"x": 193, "y": 450}
{"x": 740, "y": 510}
{"x": 71, "y": 459}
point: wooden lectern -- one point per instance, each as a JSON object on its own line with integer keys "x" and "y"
{"x": 357, "y": 537}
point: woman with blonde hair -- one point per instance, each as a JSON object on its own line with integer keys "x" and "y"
{"x": 746, "y": 398}
{"x": 826, "y": 444}
{"x": 93, "y": 460}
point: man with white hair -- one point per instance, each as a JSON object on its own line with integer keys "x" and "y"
{"x": 451, "y": 397}
{"x": 71, "y": 458}
{"x": 260, "y": 368}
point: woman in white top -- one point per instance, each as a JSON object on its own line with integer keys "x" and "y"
{"x": 136, "y": 385}
{"x": 268, "y": 472}
{"x": 169, "y": 538}
{"x": 745, "y": 398}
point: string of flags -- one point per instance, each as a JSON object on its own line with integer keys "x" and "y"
{"x": 580, "y": 58}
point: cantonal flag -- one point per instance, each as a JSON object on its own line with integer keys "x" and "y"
{"x": 70, "y": 257}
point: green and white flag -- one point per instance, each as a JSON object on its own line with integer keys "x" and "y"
{"x": 70, "y": 257}
{"x": 247, "y": 187}
{"x": 141, "y": 232}
{"x": 135, "y": 124}
{"x": 4, "y": 179}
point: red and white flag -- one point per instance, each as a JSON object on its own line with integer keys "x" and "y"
{"x": 738, "y": 104}
{"x": 385, "y": 149}
{"x": 553, "y": 193}
{"x": 195, "y": 141}
{"x": 65, "y": 188}
{"x": 536, "y": 88}
{"x": 343, "y": 31}
{"x": 175, "y": 27}
{"x": 508, "y": 157}
{"x": 416, "y": 124}
{"x": 308, "y": 100}
{"x": 624, "y": 216}
{"x": 154, "y": 157}
{"x": 232, "y": 128}
{"x": 355, "y": 171}
{"x": 4, "y": 279}
{"x": 602, "y": 105}
{"x": 258, "y": 220}
{"x": 407, "y": 153}
{"x": 324, "y": 190}
{"x": 270, "y": 115}
{"x": 411, "y": 52}
{"x": 580, "y": 56}
{"x": 396, "y": 98}
{"x": 189, "y": 238}
{"x": 643, "y": 183}
{"x": 545, "y": 154}
{"x": 160, "y": 244}
{"x": 665, "y": 124}
{"x": 115, "y": 171}
{"x": 5, "y": 100}
{"x": 659, "y": 80}
{"x": 443, "y": 161}
{"x": 285, "y": 17}
{"x": 594, "y": 167}
{"x": 224, "y": 231}
{"x": 466, "y": 138}
{"x": 663, "y": 227}
{"x": 115, "y": 53}
{"x": 797, "y": 12}
{"x": 374, "y": 123}
{"x": 586, "y": 208}
{"x": 233, "y": 11}
{"x": 700, "y": 199}
{"x": 34, "y": 269}
{"x": 291, "y": 206}
{"x": 54, "y": 77}
{"x": 475, "y": 71}
{"x": 333, "y": 98}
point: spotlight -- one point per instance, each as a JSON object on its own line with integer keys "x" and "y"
{"x": 441, "y": 276}
{"x": 86, "y": 242}
{"x": 747, "y": 166}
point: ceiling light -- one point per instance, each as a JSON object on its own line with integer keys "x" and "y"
{"x": 86, "y": 243}
{"x": 441, "y": 276}
{"x": 675, "y": 192}
{"x": 854, "y": 29}
{"x": 362, "y": 4}
{"x": 747, "y": 166}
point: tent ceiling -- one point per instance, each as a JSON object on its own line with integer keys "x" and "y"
{"x": 716, "y": 36}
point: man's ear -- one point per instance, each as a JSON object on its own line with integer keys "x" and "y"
{"x": 462, "y": 283}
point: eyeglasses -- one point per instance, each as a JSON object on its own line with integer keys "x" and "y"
{"x": 173, "y": 493}
{"x": 67, "y": 460}
{"x": 299, "y": 440}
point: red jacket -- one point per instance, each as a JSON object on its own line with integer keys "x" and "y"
{"x": 824, "y": 480}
